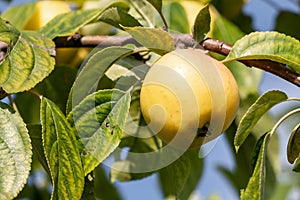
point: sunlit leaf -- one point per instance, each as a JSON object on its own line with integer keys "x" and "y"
{"x": 93, "y": 69}
{"x": 62, "y": 153}
{"x": 15, "y": 153}
{"x": 255, "y": 112}
{"x": 19, "y": 15}
{"x": 117, "y": 16}
{"x": 176, "y": 17}
{"x": 267, "y": 45}
{"x": 28, "y": 61}
{"x": 99, "y": 120}
{"x": 255, "y": 187}
{"x": 293, "y": 147}
{"x": 70, "y": 22}
{"x": 156, "y": 40}
{"x": 145, "y": 11}
{"x": 202, "y": 24}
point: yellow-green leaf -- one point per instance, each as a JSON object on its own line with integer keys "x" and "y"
{"x": 19, "y": 15}
{"x": 62, "y": 153}
{"x": 15, "y": 153}
{"x": 154, "y": 39}
{"x": 255, "y": 112}
{"x": 273, "y": 46}
{"x": 117, "y": 17}
{"x": 68, "y": 23}
{"x": 29, "y": 59}
{"x": 93, "y": 69}
{"x": 99, "y": 120}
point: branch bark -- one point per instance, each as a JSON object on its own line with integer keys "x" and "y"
{"x": 183, "y": 40}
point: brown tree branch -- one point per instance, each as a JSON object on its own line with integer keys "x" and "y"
{"x": 185, "y": 40}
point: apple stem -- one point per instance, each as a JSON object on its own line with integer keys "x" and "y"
{"x": 209, "y": 44}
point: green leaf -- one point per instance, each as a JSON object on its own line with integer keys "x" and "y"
{"x": 62, "y": 153}
{"x": 28, "y": 61}
{"x": 145, "y": 11}
{"x": 173, "y": 178}
{"x": 117, "y": 17}
{"x": 15, "y": 153}
{"x": 68, "y": 23}
{"x": 93, "y": 69}
{"x": 19, "y": 15}
{"x": 202, "y": 24}
{"x": 267, "y": 45}
{"x": 157, "y": 4}
{"x": 255, "y": 187}
{"x": 176, "y": 17}
{"x": 293, "y": 147}
{"x": 156, "y": 40}
{"x": 255, "y": 112}
{"x": 99, "y": 120}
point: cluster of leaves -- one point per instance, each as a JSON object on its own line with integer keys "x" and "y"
{"x": 81, "y": 116}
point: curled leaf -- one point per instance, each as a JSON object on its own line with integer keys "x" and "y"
{"x": 255, "y": 112}
{"x": 293, "y": 148}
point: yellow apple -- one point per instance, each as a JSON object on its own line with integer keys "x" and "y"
{"x": 185, "y": 93}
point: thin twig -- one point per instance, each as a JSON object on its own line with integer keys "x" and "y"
{"x": 209, "y": 44}
{"x": 273, "y": 67}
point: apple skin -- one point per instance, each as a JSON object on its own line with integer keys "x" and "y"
{"x": 181, "y": 94}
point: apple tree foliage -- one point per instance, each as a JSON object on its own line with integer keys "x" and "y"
{"x": 38, "y": 130}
